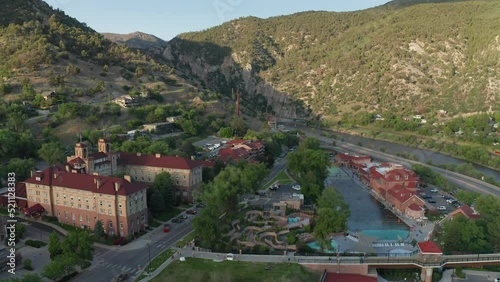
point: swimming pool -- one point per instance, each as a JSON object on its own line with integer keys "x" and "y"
{"x": 389, "y": 234}
{"x": 315, "y": 245}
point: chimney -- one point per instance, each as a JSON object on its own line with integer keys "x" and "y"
{"x": 56, "y": 175}
{"x": 192, "y": 158}
{"x": 67, "y": 168}
{"x": 33, "y": 172}
{"x": 98, "y": 182}
{"x": 95, "y": 173}
{"x": 128, "y": 178}
{"x": 117, "y": 186}
{"x": 158, "y": 156}
{"x": 176, "y": 156}
{"x": 138, "y": 154}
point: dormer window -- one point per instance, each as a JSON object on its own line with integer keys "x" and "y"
{"x": 397, "y": 177}
{"x": 38, "y": 178}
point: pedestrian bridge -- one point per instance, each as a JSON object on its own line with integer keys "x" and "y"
{"x": 368, "y": 265}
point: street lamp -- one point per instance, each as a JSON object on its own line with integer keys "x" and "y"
{"x": 149, "y": 254}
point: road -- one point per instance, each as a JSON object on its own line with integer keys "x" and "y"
{"x": 465, "y": 182}
{"x": 109, "y": 263}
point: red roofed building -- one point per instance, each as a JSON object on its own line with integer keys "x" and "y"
{"x": 466, "y": 211}
{"x": 352, "y": 161}
{"x": 429, "y": 248}
{"x": 104, "y": 162}
{"x": 240, "y": 149}
{"x": 405, "y": 202}
{"x": 186, "y": 173}
{"x": 82, "y": 199}
{"x": 346, "y": 277}
{"x": 386, "y": 176}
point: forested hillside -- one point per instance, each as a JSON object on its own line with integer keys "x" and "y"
{"x": 401, "y": 57}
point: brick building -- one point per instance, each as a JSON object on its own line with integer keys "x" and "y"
{"x": 82, "y": 199}
{"x": 405, "y": 202}
{"x": 240, "y": 149}
{"x": 466, "y": 211}
{"x": 387, "y": 176}
{"x": 352, "y": 161}
{"x": 186, "y": 173}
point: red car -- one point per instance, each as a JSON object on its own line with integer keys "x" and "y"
{"x": 191, "y": 212}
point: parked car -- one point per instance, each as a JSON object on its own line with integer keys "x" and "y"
{"x": 176, "y": 220}
{"x": 450, "y": 201}
{"x": 230, "y": 257}
{"x": 427, "y": 197}
{"x": 441, "y": 208}
{"x": 296, "y": 187}
{"x": 182, "y": 216}
{"x": 434, "y": 190}
{"x": 274, "y": 187}
{"x": 431, "y": 201}
{"x": 191, "y": 212}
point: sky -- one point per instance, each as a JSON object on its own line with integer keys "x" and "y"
{"x": 167, "y": 18}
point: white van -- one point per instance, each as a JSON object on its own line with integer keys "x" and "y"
{"x": 229, "y": 257}
{"x": 441, "y": 208}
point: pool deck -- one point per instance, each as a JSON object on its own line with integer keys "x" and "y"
{"x": 419, "y": 231}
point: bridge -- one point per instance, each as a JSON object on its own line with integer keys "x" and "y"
{"x": 368, "y": 265}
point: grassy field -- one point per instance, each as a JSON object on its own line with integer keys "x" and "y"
{"x": 281, "y": 178}
{"x": 208, "y": 270}
{"x": 185, "y": 240}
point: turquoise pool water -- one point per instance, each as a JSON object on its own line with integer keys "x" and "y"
{"x": 315, "y": 245}
{"x": 390, "y": 234}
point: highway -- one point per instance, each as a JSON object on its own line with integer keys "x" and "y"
{"x": 462, "y": 181}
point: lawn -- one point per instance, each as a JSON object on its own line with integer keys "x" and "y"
{"x": 185, "y": 240}
{"x": 281, "y": 178}
{"x": 168, "y": 214}
{"x": 194, "y": 269}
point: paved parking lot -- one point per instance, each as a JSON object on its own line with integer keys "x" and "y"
{"x": 438, "y": 197}
{"x": 269, "y": 197}
{"x": 209, "y": 140}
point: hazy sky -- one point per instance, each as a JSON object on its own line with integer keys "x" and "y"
{"x": 166, "y": 18}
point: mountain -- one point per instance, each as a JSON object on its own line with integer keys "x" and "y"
{"x": 403, "y": 57}
{"x": 137, "y": 40}
{"x": 44, "y": 50}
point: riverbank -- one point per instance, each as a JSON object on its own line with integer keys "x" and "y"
{"x": 484, "y": 168}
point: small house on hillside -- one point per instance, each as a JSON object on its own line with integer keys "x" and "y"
{"x": 48, "y": 94}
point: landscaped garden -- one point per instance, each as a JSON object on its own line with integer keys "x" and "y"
{"x": 194, "y": 269}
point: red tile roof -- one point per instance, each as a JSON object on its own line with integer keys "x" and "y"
{"x": 429, "y": 247}
{"x": 205, "y": 163}
{"x": 400, "y": 193}
{"x": 225, "y": 154}
{"x": 21, "y": 190}
{"x": 33, "y": 209}
{"x": 467, "y": 211}
{"x": 86, "y": 182}
{"x": 76, "y": 160}
{"x": 256, "y": 144}
{"x": 344, "y": 277}
{"x": 154, "y": 161}
{"x": 348, "y": 157}
{"x": 22, "y": 203}
{"x": 414, "y": 207}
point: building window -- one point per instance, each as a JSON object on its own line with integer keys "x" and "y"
{"x": 79, "y": 206}
{"x": 57, "y": 202}
{"x": 100, "y": 203}
{"x": 102, "y": 211}
{"x": 143, "y": 218}
{"x": 88, "y": 207}
{"x": 58, "y": 213}
{"x": 64, "y": 196}
{"x": 79, "y": 199}
{"x": 121, "y": 225}
{"x": 86, "y": 200}
{"x": 109, "y": 212}
{"x": 45, "y": 201}
{"x": 110, "y": 224}
{"x": 45, "y": 194}
{"x": 71, "y": 204}
{"x": 65, "y": 215}
{"x": 109, "y": 205}
{"x": 120, "y": 205}
{"x": 177, "y": 182}
{"x": 38, "y": 193}
{"x": 38, "y": 200}
{"x": 81, "y": 218}
{"x": 121, "y": 212}
{"x": 73, "y": 216}
{"x": 71, "y": 198}
{"x": 184, "y": 176}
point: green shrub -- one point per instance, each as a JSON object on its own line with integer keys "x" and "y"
{"x": 27, "y": 264}
{"x": 86, "y": 264}
{"x": 35, "y": 243}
